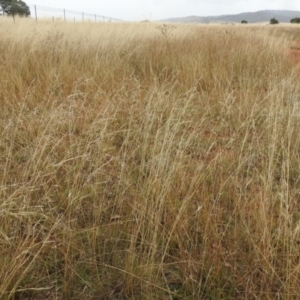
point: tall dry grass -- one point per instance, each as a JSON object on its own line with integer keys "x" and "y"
{"x": 139, "y": 166}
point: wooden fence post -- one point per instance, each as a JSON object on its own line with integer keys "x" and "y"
{"x": 35, "y": 13}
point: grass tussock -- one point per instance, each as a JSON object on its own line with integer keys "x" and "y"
{"x": 139, "y": 165}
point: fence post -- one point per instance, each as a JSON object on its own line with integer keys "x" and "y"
{"x": 65, "y": 15}
{"x": 83, "y": 17}
{"x": 35, "y": 13}
{"x": 95, "y": 18}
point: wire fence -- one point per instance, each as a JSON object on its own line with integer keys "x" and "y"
{"x": 42, "y": 12}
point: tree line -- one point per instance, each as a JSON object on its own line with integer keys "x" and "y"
{"x": 275, "y": 21}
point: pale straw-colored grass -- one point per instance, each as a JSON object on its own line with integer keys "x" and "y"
{"x": 139, "y": 166}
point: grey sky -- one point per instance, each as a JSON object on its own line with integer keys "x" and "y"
{"x": 136, "y": 10}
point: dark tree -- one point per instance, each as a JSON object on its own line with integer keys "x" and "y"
{"x": 244, "y": 22}
{"x": 274, "y": 21}
{"x": 295, "y": 21}
{"x": 14, "y": 7}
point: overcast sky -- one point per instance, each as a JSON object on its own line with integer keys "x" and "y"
{"x": 137, "y": 10}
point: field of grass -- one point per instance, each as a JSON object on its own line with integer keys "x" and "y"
{"x": 139, "y": 162}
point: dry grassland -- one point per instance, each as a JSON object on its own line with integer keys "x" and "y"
{"x": 138, "y": 165}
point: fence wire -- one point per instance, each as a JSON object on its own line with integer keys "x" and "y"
{"x": 44, "y": 12}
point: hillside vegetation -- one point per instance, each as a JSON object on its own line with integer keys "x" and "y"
{"x": 283, "y": 16}
{"x": 139, "y": 162}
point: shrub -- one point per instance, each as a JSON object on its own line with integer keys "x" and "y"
{"x": 244, "y": 22}
{"x": 274, "y": 21}
{"x": 295, "y": 20}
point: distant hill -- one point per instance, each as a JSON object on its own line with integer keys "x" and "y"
{"x": 283, "y": 16}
